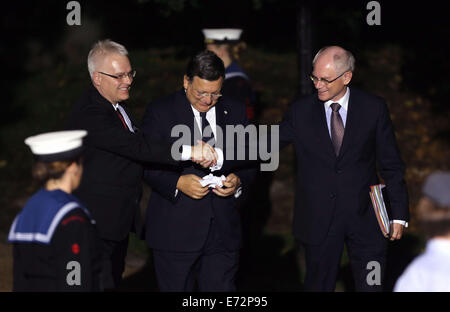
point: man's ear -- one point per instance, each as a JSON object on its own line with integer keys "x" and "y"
{"x": 348, "y": 77}
{"x": 185, "y": 82}
{"x": 96, "y": 78}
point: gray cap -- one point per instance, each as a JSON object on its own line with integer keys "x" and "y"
{"x": 437, "y": 188}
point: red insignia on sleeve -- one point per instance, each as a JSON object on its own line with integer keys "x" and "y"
{"x": 73, "y": 218}
{"x": 76, "y": 248}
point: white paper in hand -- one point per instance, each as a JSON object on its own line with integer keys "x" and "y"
{"x": 212, "y": 181}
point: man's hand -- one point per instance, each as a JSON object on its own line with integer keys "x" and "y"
{"x": 190, "y": 185}
{"x": 396, "y": 230}
{"x": 204, "y": 154}
{"x": 232, "y": 183}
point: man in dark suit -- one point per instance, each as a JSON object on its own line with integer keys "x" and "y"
{"x": 341, "y": 135}
{"x": 115, "y": 151}
{"x": 195, "y": 232}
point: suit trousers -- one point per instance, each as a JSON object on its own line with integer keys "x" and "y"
{"x": 113, "y": 262}
{"x": 213, "y": 268}
{"x": 366, "y": 248}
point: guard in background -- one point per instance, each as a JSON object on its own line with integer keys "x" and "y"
{"x": 225, "y": 42}
{"x": 54, "y": 237}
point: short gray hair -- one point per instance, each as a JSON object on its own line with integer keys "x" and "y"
{"x": 100, "y": 50}
{"x": 342, "y": 61}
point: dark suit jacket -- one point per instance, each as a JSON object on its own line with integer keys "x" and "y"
{"x": 181, "y": 223}
{"x": 112, "y": 176}
{"x": 327, "y": 184}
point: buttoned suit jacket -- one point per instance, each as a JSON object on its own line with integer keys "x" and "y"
{"x": 181, "y": 223}
{"x": 327, "y": 184}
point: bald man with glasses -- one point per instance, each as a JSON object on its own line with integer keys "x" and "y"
{"x": 343, "y": 138}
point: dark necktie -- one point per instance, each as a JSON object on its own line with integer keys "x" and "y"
{"x": 337, "y": 128}
{"x": 122, "y": 119}
{"x": 207, "y": 138}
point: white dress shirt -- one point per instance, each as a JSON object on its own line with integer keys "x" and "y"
{"x": 211, "y": 117}
{"x": 343, "y": 101}
{"x": 186, "y": 153}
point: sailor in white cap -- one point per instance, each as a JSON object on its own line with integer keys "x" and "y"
{"x": 227, "y": 44}
{"x": 54, "y": 236}
{"x": 430, "y": 272}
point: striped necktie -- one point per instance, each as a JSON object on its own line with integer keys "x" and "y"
{"x": 122, "y": 119}
{"x": 337, "y": 128}
{"x": 207, "y": 138}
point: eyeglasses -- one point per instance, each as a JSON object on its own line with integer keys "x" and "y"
{"x": 122, "y": 76}
{"x": 315, "y": 79}
{"x": 202, "y": 95}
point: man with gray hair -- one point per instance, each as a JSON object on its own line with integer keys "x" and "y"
{"x": 431, "y": 270}
{"x": 341, "y": 136}
{"x": 115, "y": 154}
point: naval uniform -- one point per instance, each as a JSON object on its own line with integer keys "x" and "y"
{"x": 55, "y": 245}
{"x": 237, "y": 86}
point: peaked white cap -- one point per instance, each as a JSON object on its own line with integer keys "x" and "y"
{"x": 221, "y": 34}
{"x": 56, "y": 143}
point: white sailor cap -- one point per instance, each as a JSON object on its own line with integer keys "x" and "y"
{"x": 222, "y": 35}
{"x": 437, "y": 188}
{"x": 56, "y": 146}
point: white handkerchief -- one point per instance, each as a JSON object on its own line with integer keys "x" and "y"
{"x": 212, "y": 181}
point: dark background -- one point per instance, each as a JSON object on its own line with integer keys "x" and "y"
{"x": 31, "y": 28}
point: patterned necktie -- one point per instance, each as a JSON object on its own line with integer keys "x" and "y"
{"x": 207, "y": 138}
{"x": 337, "y": 128}
{"x": 122, "y": 119}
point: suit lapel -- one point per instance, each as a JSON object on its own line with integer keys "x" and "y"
{"x": 221, "y": 122}
{"x": 351, "y": 124}
{"x": 185, "y": 115}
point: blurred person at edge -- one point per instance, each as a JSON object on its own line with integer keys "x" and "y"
{"x": 430, "y": 272}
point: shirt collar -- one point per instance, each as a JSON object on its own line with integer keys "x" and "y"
{"x": 343, "y": 101}
{"x": 212, "y": 110}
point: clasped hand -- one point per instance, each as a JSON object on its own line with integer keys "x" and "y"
{"x": 204, "y": 154}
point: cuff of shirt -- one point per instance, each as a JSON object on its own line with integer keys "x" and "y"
{"x": 186, "y": 153}
{"x": 238, "y": 192}
{"x": 219, "y": 163}
{"x": 404, "y": 223}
